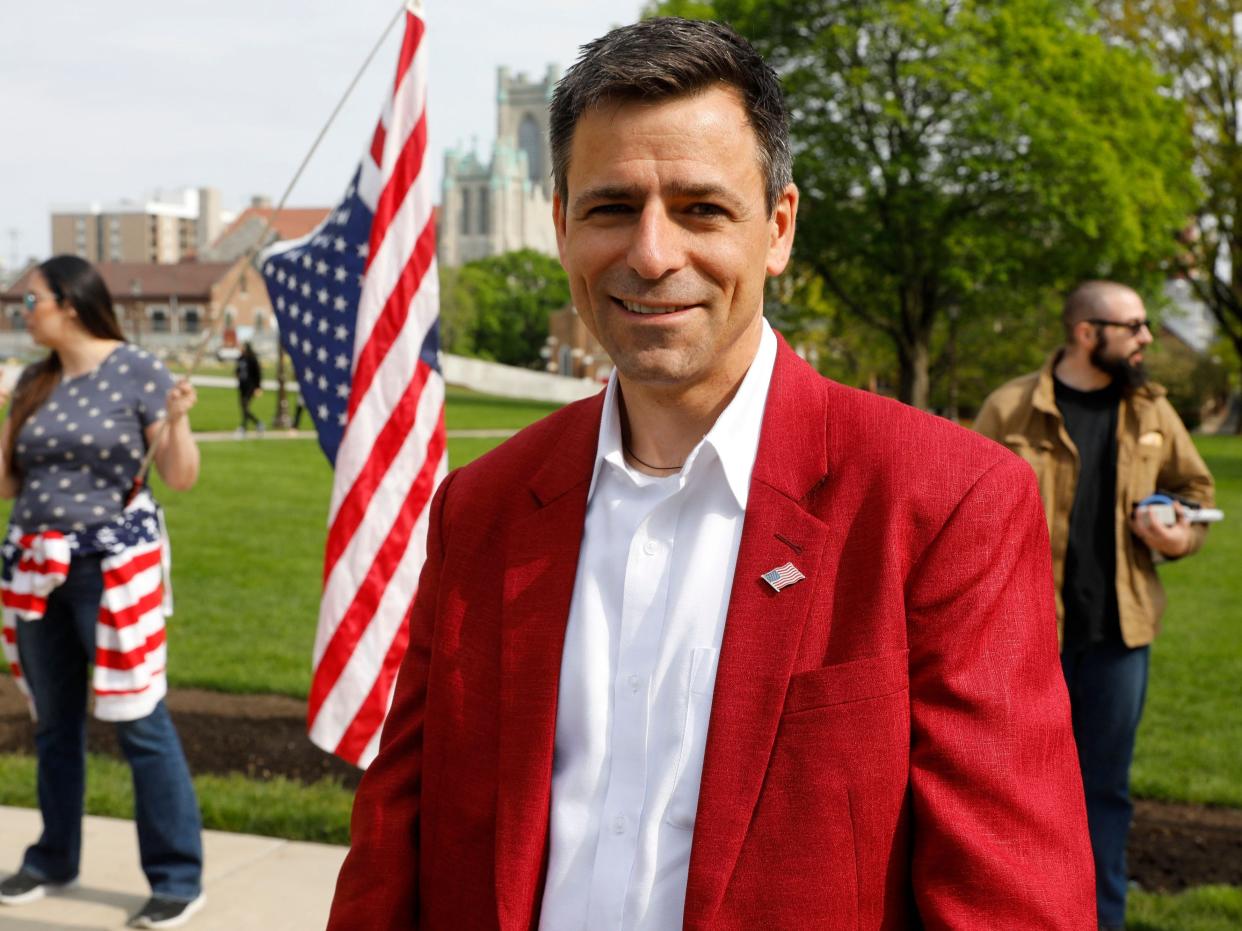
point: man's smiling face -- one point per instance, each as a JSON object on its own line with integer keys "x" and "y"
{"x": 666, "y": 237}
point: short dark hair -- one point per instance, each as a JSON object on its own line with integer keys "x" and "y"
{"x": 665, "y": 58}
{"x": 1088, "y": 299}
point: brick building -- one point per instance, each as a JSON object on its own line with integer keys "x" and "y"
{"x": 166, "y": 306}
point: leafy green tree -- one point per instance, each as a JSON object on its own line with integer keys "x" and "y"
{"x": 457, "y": 312}
{"x": 959, "y": 159}
{"x": 497, "y": 308}
{"x": 1199, "y": 44}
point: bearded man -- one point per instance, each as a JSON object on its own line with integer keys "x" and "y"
{"x": 1101, "y": 438}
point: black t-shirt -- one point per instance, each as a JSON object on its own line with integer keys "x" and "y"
{"x": 1089, "y": 588}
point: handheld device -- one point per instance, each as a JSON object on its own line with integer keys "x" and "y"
{"x": 1160, "y": 506}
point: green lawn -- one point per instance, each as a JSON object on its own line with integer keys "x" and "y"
{"x": 273, "y": 807}
{"x": 1207, "y": 908}
{"x": 247, "y": 563}
{"x": 218, "y": 410}
{"x": 1190, "y": 742}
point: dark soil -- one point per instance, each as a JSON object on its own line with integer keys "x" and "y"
{"x": 1172, "y": 847}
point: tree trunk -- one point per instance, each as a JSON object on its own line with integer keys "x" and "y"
{"x": 914, "y": 387}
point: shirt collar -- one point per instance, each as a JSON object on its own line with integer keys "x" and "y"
{"x": 733, "y": 438}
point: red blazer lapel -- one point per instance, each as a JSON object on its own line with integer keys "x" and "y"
{"x": 541, "y": 562}
{"x": 763, "y": 627}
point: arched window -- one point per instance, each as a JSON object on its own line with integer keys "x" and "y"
{"x": 465, "y": 211}
{"x": 191, "y": 320}
{"x": 485, "y": 212}
{"x": 530, "y": 141}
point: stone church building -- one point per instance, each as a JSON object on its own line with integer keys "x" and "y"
{"x": 488, "y": 207}
{"x": 505, "y": 204}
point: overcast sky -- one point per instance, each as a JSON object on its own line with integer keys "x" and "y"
{"x": 101, "y": 101}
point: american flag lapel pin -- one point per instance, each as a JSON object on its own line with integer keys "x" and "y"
{"x": 783, "y": 576}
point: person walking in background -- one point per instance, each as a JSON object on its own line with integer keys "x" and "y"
{"x": 249, "y": 385}
{"x": 83, "y": 582}
{"x": 1101, "y": 438}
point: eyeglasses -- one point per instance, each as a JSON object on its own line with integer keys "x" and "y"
{"x": 1134, "y": 326}
{"x": 30, "y": 300}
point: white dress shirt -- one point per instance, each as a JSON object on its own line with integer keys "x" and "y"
{"x": 639, "y": 667}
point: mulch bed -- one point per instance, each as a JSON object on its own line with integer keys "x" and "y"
{"x": 1172, "y": 847}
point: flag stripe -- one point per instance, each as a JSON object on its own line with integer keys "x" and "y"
{"x": 417, "y": 339}
{"x": 362, "y": 609}
{"x": 410, "y": 44}
{"x": 396, "y": 309}
{"x": 370, "y": 716}
{"x": 377, "y": 142}
{"x": 352, "y": 688}
{"x": 120, "y": 575}
{"x": 405, "y": 174}
{"x": 132, "y": 614}
{"x": 44, "y": 567}
{"x": 387, "y": 445}
{"x": 132, "y": 659}
{"x": 401, "y": 115}
{"x": 361, "y": 550}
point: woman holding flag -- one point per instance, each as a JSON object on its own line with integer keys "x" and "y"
{"x": 83, "y": 582}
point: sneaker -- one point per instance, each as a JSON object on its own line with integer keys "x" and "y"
{"x": 163, "y": 912}
{"x": 22, "y": 888}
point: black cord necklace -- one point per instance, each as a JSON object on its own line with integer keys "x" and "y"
{"x": 629, "y": 452}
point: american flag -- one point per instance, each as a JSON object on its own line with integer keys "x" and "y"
{"x": 357, "y": 301}
{"x": 783, "y": 576}
{"x": 129, "y": 678}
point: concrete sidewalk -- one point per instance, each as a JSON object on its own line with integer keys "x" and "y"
{"x": 251, "y": 882}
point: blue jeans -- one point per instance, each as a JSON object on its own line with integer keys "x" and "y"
{"x": 55, "y": 652}
{"x": 1107, "y": 684}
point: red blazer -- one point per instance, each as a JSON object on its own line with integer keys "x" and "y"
{"x": 889, "y": 740}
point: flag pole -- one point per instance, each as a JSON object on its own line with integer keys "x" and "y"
{"x": 215, "y": 319}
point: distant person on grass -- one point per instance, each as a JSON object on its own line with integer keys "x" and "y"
{"x": 1101, "y": 438}
{"x": 82, "y": 582}
{"x": 249, "y": 386}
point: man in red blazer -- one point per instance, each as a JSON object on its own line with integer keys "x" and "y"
{"x": 729, "y": 646}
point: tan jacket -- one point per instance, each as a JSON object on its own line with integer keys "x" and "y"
{"x": 1154, "y": 452}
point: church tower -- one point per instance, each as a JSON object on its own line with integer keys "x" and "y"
{"x": 505, "y": 203}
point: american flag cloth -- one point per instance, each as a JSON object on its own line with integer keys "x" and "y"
{"x": 357, "y": 301}
{"x": 783, "y": 576}
{"x": 130, "y": 657}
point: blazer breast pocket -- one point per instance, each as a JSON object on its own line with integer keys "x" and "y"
{"x": 857, "y": 680}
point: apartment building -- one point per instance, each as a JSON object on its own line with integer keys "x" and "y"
{"x": 162, "y": 230}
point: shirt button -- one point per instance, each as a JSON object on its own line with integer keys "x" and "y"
{"x": 650, "y": 547}
{"x": 634, "y": 682}
{"x": 618, "y": 824}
